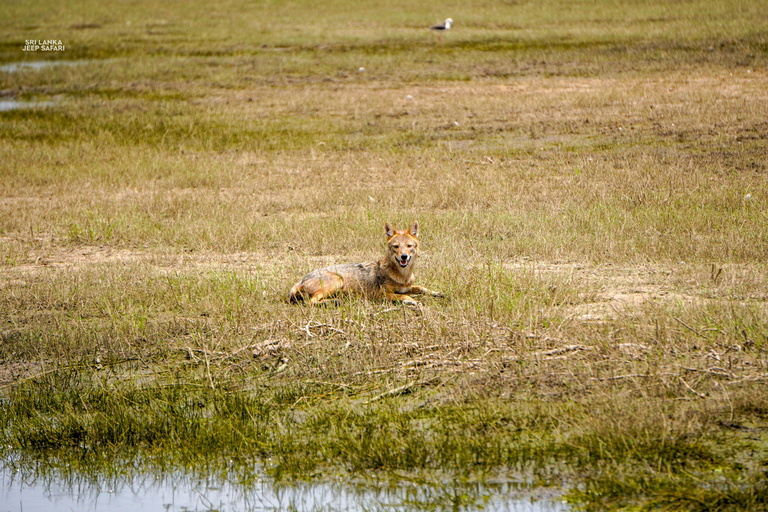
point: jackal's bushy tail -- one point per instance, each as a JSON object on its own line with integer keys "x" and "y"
{"x": 295, "y": 296}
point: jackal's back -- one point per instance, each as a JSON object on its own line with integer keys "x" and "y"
{"x": 359, "y": 278}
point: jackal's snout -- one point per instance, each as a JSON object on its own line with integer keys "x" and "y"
{"x": 404, "y": 251}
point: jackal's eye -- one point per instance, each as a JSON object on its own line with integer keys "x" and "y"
{"x": 395, "y": 246}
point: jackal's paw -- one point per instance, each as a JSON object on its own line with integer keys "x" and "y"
{"x": 327, "y": 302}
{"x": 438, "y": 294}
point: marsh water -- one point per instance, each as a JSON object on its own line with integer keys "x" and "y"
{"x": 20, "y": 492}
{"x": 16, "y": 105}
{"x": 34, "y": 65}
{"x": 13, "y": 67}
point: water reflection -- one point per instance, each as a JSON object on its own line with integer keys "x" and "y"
{"x": 14, "y": 67}
{"x": 22, "y": 491}
{"x": 6, "y": 105}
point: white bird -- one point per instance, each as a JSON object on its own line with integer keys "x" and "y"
{"x": 441, "y": 27}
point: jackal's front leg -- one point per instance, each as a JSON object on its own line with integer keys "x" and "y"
{"x": 401, "y": 297}
{"x": 416, "y": 289}
{"x": 407, "y": 299}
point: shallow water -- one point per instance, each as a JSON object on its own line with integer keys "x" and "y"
{"x": 13, "y": 67}
{"x": 6, "y": 105}
{"x": 27, "y": 493}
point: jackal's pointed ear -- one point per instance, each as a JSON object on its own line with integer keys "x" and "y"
{"x": 414, "y": 230}
{"x": 389, "y": 230}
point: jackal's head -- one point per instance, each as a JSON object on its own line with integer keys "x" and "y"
{"x": 402, "y": 245}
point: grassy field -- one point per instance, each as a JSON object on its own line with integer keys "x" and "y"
{"x": 591, "y": 184}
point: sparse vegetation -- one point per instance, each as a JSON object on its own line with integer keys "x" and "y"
{"x": 589, "y": 178}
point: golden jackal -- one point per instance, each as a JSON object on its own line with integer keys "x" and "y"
{"x": 391, "y": 277}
